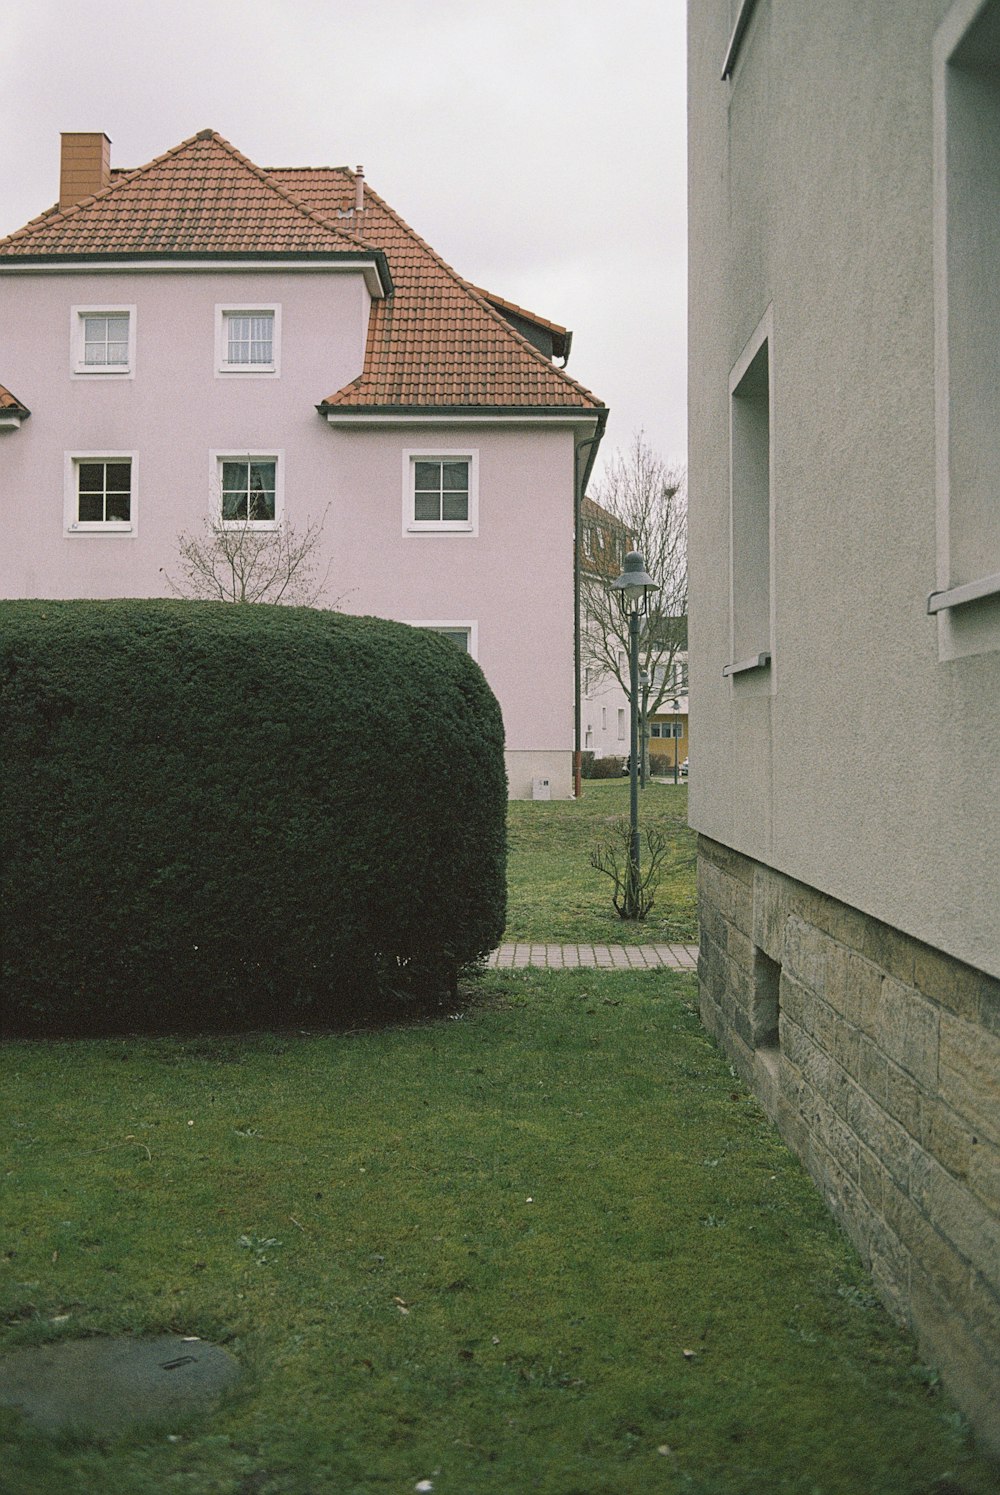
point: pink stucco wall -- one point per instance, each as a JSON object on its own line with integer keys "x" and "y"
{"x": 513, "y": 579}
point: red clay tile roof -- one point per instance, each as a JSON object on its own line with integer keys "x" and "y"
{"x": 202, "y": 197}
{"x": 436, "y": 342}
{"x": 11, "y": 404}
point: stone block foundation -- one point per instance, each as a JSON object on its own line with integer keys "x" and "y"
{"x": 878, "y": 1058}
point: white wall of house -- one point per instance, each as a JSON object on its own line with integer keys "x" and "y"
{"x": 509, "y": 579}
{"x": 605, "y": 716}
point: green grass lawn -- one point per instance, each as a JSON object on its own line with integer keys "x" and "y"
{"x": 554, "y": 894}
{"x": 549, "y": 1244}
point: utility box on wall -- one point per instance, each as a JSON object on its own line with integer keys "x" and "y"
{"x": 540, "y": 789}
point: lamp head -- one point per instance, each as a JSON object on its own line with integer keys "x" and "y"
{"x": 634, "y": 585}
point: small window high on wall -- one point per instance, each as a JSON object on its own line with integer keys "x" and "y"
{"x": 750, "y": 505}
{"x": 967, "y": 295}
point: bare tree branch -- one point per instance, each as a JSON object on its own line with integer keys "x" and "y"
{"x": 647, "y": 499}
{"x": 633, "y": 896}
{"x": 231, "y": 560}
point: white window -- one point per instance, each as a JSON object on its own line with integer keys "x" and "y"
{"x": 247, "y": 488}
{"x": 621, "y": 724}
{"x": 247, "y": 339}
{"x": 103, "y": 340}
{"x": 604, "y": 718}
{"x": 457, "y": 636}
{"x": 100, "y": 492}
{"x": 440, "y": 492}
{"x": 464, "y": 633}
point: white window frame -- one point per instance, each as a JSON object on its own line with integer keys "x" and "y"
{"x": 72, "y": 523}
{"x": 81, "y": 370}
{"x": 223, "y": 367}
{"x": 451, "y": 625}
{"x": 414, "y": 526}
{"x": 230, "y": 454}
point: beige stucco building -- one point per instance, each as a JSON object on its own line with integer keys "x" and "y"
{"x": 845, "y": 619}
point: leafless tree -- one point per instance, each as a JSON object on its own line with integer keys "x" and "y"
{"x": 647, "y": 498}
{"x": 635, "y": 890}
{"x": 234, "y": 560}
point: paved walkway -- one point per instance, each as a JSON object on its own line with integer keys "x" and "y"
{"x": 597, "y": 957}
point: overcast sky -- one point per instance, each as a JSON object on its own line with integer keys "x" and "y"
{"x": 538, "y": 145}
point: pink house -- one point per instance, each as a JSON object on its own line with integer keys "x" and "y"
{"x": 201, "y": 330}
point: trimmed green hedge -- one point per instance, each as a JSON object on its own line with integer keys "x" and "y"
{"x": 196, "y": 827}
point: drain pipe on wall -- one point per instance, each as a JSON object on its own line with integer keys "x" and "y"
{"x": 579, "y": 483}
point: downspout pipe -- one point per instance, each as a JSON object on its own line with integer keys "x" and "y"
{"x": 580, "y": 475}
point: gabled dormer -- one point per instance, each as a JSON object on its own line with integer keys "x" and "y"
{"x": 12, "y": 412}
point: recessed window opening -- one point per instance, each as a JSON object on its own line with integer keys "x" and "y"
{"x": 250, "y": 337}
{"x": 765, "y": 1006}
{"x": 102, "y": 341}
{"x": 441, "y": 490}
{"x": 99, "y": 493}
{"x": 967, "y": 182}
{"x": 461, "y": 633}
{"x": 105, "y": 492}
{"x": 248, "y": 490}
{"x": 457, "y": 636}
{"x": 247, "y": 340}
{"x": 750, "y": 534}
{"x": 105, "y": 341}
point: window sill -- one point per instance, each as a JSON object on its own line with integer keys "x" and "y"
{"x": 103, "y": 371}
{"x": 970, "y": 591}
{"x": 439, "y": 529}
{"x": 265, "y": 370}
{"x": 760, "y": 661}
{"x": 99, "y": 529}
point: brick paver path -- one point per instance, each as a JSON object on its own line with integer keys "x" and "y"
{"x": 599, "y": 957}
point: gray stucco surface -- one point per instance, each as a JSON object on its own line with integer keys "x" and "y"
{"x": 864, "y": 762}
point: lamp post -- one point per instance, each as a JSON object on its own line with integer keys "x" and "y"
{"x": 633, "y": 588}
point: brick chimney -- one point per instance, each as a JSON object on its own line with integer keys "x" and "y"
{"x": 84, "y": 167}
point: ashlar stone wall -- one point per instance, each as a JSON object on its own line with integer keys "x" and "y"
{"x": 879, "y": 1060}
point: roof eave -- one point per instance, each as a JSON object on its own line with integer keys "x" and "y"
{"x": 374, "y": 260}
{"x": 376, "y": 414}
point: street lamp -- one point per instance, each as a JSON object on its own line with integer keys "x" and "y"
{"x": 633, "y": 588}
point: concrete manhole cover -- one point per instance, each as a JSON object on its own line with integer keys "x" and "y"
{"x": 108, "y": 1385}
